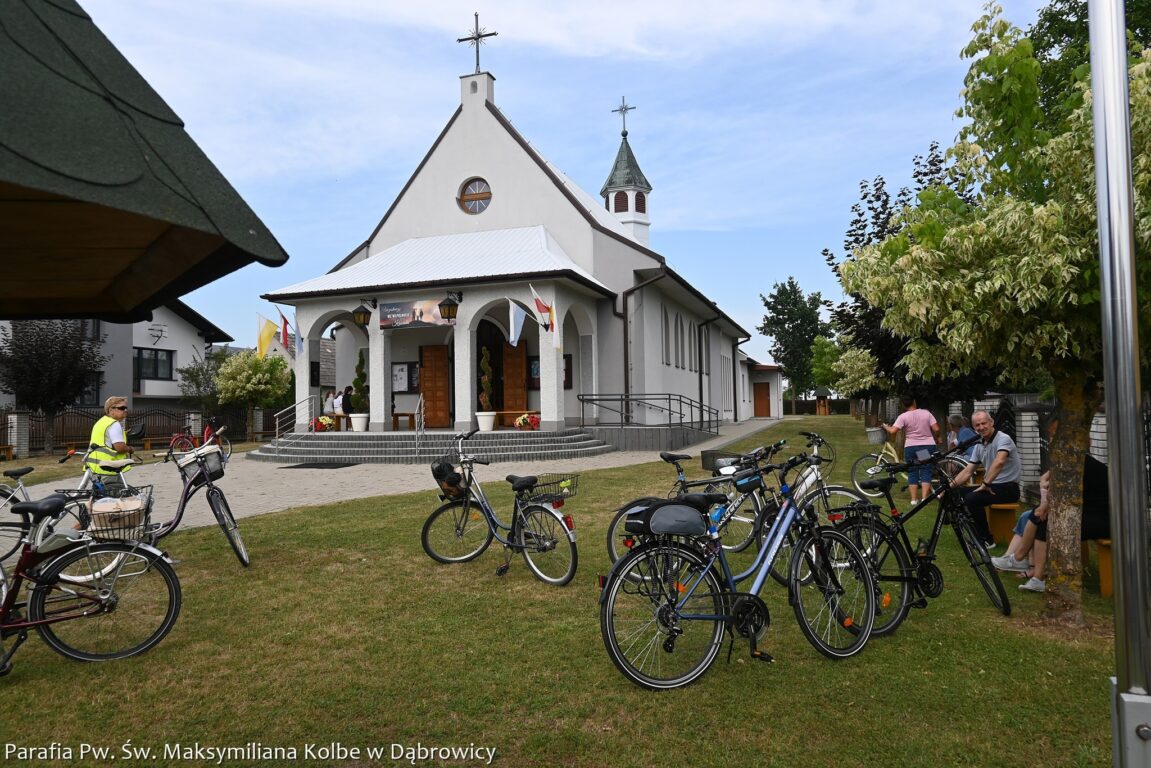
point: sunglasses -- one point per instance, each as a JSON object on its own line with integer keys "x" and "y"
{"x": 119, "y": 407}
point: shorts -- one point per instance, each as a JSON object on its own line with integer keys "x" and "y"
{"x": 917, "y": 475}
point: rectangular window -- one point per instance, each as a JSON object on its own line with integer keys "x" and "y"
{"x": 91, "y": 393}
{"x": 152, "y": 364}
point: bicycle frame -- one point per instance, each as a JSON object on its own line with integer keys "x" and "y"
{"x": 476, "y": 492}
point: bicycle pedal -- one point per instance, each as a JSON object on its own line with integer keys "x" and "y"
{"x": 762, "y": 656}
{"x": 5, "y": 668}
{"x": 920, "y": 603}
{"x": 503, "y": 569}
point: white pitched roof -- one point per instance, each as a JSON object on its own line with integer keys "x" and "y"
{"x": 448, "y": 258}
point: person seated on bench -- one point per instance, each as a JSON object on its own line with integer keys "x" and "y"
{"x": 999, "y": 456}
{"x": 1031, "y": 533}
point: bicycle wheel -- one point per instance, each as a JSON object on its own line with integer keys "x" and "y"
{"x": 227, "y": 522}
{"x": 11, "y": 533}
{"x": 182, "y": 444}
{"x": 891, "y": 569}
{"x": 867, "y": 467}
{"x": 225, "y": 446}
{"x": 456, "y": 533}
{"x": 548, "y": 549}
{"x": 976, "y": 554}
{"x": 655, "y": 634}
{"x": 737, "y": 530}
{"x": 124, "y": 612}
{"x": 833, "y": 593}
{"x": 829, "y": 499}
{"x": 619, "y": 541}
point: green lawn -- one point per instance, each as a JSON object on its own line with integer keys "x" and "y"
{"x": 344, "y": 631}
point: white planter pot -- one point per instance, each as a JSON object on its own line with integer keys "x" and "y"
{"x": 359, "y": 422}
{"x": 486, "y": 420}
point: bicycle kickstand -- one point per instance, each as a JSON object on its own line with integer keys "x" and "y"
{"x": 506, "y": 564}
{"x": 6, "y": 661}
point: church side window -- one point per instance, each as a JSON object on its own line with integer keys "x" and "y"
{"x": 640, "y": 203}
{"x": 475, "y": 196}
{"x": 666, "y": 331}
{"x": 678, "y": 341}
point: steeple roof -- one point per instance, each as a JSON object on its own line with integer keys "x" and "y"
{"x": 625, "y": 174}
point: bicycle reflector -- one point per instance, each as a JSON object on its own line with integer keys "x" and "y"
{"x": 569, "y": 523}
{"x": 557, "y": 503}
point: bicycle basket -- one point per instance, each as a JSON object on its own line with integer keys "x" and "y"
{"x": 124, "y": 518}
{"x": 447, "y": 478}
{"x": 209, "y": 456}
{"x": 551, "y": 487}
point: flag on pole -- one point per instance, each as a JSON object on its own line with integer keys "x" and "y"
{"x": 516, "y": 317}
{"x": 283, "y": 330}
{"x": 299, "y": 338}
{"x": 557, "y": 332}
{"x": 264, "y": 336}
{"x": 546, "y": 312}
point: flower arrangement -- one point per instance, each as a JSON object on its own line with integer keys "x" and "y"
{"x": 528, "y": 421}
{"x": 322, "y": 424}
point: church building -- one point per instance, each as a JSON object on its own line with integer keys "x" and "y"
{"x": 494, "y": 284}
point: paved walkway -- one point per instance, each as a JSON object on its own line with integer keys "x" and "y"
{"x": 259, "y": 487}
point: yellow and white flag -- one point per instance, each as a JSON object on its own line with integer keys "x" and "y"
{"x": 264, "y": 336}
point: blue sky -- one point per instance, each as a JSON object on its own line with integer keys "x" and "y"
{"x": 755, "y": 120}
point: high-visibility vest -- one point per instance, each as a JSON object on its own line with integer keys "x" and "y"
{"x": 99, "y": 438}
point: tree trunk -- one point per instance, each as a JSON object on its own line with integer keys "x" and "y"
{"x": 49, "y": 432}
{"x": 1078, "y": 401}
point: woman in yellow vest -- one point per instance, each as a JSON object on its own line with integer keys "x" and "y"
{"x": 108, "y": 436}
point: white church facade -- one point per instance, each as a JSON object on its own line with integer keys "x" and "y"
{"x": 556, "y": 295}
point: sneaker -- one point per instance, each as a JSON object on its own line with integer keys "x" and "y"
{"x": 1009, "y": 563}
{"x": 1034, "y": 585}
{"x": 990, "y": 545}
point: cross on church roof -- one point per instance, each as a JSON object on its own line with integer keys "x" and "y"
{"x": 623, "y": 109}
{"x": 476, "y": 38}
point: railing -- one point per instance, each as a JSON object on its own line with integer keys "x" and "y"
{"x": 74, "y": 424}
{"x": 285, "y": 420}
{"x": 420, "y": 425}
{"x": 669, "y": 410}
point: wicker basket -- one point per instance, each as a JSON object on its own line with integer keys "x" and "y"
{"x": 209, "y": 457}
{"x": 876, "y": 435}
{"x": 123, "y": 518}
{"x": 551, "y": 486}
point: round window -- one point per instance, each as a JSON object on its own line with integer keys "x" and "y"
{"x": 475, "y": 195}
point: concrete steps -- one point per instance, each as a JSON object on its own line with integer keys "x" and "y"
{"x": 400, "y": 447}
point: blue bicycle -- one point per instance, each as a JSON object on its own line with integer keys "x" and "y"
{"x": 666, "y": 605}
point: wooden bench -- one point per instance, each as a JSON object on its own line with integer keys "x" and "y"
{"x": 1001, "y": 519}
{"x": 7, "y": 451}
{"x": 1103, "y": 550}
{"x": 396, "y": 420}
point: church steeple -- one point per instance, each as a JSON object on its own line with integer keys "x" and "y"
{"x": 626, "y": 189}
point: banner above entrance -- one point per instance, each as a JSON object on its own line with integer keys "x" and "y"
{"x": 411, "y": 314}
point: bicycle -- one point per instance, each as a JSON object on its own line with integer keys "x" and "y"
{"x": 200, "y": 468}
{"x": 871, "y": 464}
{"x": 186, "y": 441}
{"x": 666, "y": 604}
{"x": 123, "y": 595}
{"x": 464, "y": 527}
{"x": 907, "y": 575}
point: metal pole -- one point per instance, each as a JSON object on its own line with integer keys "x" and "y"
{"x": 1131, "y": 704}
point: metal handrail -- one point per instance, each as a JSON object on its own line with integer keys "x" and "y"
{"x": 680, "y": 411}
{"x": 420, "y": 425}
{"x": 285, "y": 419}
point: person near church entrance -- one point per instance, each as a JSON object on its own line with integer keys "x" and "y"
{"x": 110, "y": 441}
{"x": 330, "y": 402}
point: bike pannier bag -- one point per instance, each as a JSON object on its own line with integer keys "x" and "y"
{"x": 748, "y": 480}
{"x": 666, "y": 517}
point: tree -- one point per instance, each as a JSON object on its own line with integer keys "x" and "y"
{"x": 824, "y": 354}
{"x": 1013, "y": 280}
{"x": 793, "y": 323}
{"x": 253, "y": 381}
{"x": 360, "y": 385}
{"x": 198, "y": 380}
{"x": 48, "y": 364}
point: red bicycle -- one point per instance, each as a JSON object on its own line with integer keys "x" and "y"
{"x": 187, "y": 440}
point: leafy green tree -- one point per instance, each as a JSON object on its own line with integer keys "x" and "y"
{"x": 793, "y": 322}
{"x": 48, "y": 364}
{"x": 360, "y": 385}
{"x": 1013, "y": 281}
{"x": 247, "y": 379}
{"x": 824, "y": 354}
{"x": 198, "y": 380}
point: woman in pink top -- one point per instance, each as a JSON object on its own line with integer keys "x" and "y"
{"x": 920, "y": 433}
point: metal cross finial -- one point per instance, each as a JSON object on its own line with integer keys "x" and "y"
{"x": 623, "y": 109}
{"x": 476, "y": 38}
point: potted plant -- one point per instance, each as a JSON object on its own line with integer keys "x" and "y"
{"x": 486, "y": 415}
{"x": 528, "y": 422}
{"x": 359, "y": 413}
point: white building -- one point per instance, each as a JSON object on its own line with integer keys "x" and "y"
{"x": 486, "y": 219}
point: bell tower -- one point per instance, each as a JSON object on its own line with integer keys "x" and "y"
{"x": 626, "y": 190}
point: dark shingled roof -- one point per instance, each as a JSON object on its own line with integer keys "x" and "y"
{"x": 108, "y": 209}
{"x": 625, "y": 172}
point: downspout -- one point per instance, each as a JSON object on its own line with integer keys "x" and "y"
{"x": 699, "y": 368}
{"x": 625, "y": 315}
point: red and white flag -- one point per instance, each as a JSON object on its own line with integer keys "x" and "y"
{"x": 546, "y": 312}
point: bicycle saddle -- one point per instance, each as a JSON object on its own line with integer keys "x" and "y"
{"x": 671, "y": 458}
{"x": 702, "y": 501}
{"x": 878, "y": 484}
{"x": 16, "y": 474}
{"x": 522, "y": 483}
{"x": 49, "y": 506}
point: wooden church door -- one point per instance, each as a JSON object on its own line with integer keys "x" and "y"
{"x": 435, "y": 386}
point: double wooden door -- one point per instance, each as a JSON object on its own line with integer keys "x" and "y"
{"x": 436, "y": 386}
